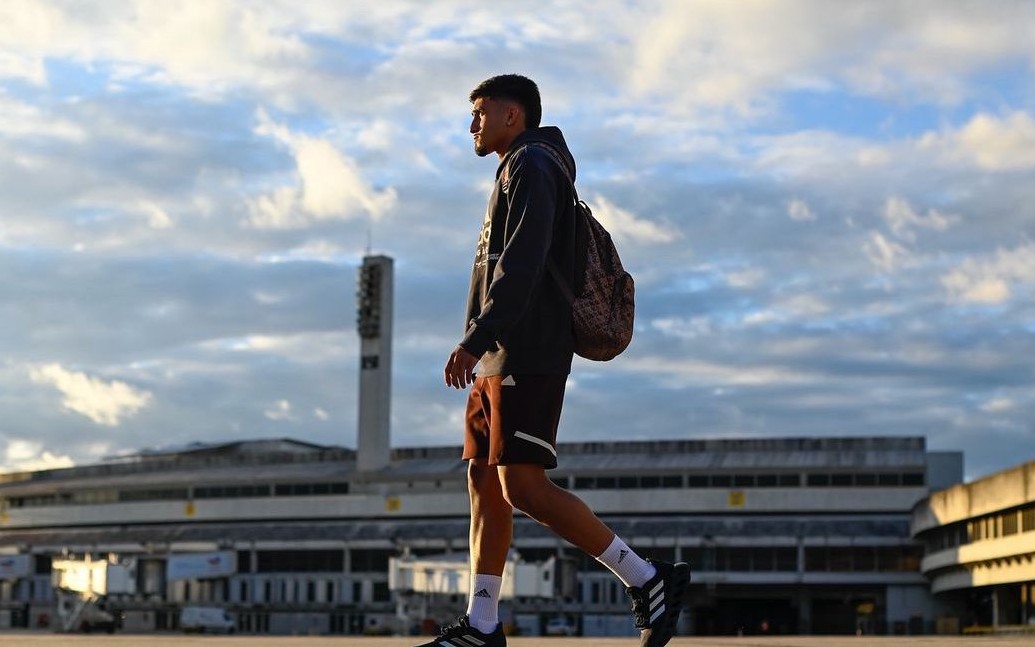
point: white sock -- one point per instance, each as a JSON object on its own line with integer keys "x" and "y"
{"x": 632, "y": 569}
{"x": 483, "y": 603}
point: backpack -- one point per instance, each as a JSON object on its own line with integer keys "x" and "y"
{"x": 602, "y": 310}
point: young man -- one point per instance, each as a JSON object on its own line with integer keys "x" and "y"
{"x": 519, "y": 333}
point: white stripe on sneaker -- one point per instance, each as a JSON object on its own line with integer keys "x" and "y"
{"x": 656, "y": 601}
{"x": 538, "y": 441}
{"x": 657, "y": 613}
{"x": 657, "y": 588}
{"x": 446, "y": 643}
{"x": 471, "y": 640}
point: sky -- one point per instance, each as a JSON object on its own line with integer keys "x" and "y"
{"x": 828, "y": 210}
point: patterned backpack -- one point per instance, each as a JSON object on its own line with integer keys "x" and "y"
{"x": 602, "y": 311}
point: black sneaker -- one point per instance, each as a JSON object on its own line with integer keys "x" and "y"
{"x": 656, "y": 605}
{"x": 462, "y": 634}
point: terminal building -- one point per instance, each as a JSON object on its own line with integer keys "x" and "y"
{"x": 784, "y": 535}
{"x": 979, "y": 548}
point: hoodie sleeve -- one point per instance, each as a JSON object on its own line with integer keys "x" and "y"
{"x": 531, "y": 210}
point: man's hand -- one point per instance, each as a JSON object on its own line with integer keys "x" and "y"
{"x": 460, "y": 368}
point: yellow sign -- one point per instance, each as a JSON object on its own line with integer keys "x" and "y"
{"x": 393, "y": 504}
{"x": 188, "y": 509}
{"x": 736, "y": 498}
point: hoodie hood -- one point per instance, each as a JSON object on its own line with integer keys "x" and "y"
{"x": 548, "y": 135}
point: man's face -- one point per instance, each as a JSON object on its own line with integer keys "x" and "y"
{"x": 492, "y": 125}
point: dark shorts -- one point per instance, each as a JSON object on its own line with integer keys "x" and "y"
{"x": 512, "y": 419}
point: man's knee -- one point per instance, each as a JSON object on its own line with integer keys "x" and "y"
{"x": 523, "y": 485}
{"x": 482, "y": 479}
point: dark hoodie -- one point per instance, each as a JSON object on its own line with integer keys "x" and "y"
{"x": 518, "y": 319}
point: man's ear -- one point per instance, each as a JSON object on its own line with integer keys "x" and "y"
{"x": 515, "y": 115}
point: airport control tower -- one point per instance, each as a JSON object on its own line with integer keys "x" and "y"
{"x": 374, "y": 323}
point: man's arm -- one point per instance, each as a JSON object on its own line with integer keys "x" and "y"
{"x": 532, "y": 206}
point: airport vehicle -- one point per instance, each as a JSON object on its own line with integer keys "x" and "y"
{"x": 206, "y": 620}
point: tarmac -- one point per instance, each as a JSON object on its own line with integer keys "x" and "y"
{"x": 36, "y": 639}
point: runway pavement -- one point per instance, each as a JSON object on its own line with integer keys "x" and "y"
{"x": 35, "y": 639}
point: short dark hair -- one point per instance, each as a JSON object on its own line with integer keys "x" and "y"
{"x": 514, "y": 87}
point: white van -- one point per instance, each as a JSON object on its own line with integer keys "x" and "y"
{"x": 206, "y": 619}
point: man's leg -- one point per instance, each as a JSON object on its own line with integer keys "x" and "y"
{"x": 528, "y": 489}
{"x": 492, "y": 528}
{"x": 656, "y": 588}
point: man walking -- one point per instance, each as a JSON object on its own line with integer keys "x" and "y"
{"x": 519, "y": 332}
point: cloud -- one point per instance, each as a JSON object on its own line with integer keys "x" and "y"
{"x": 990, "y": 281}
{"x": 157, "y": 218}
{"x": 987, "y": 142}
{"x": 332, "y": 185}
{"x": 686, "y": 372}
{"x": 904, "y": 220}
{"x": 800, "y": 211}
{"x": 27, "y": 456}
{"x": 998, "y": 405}
{"x": 886, "y": 255}
{"x": 105, "y": 403}
{"x": 624, "y": 224}
{"x": 281, "y": 410}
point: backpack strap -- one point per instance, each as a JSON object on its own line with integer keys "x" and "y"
{"x": 555, "y": 155}
{"x": 555, "y": 271}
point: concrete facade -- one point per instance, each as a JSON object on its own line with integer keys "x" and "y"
{"x": 785, "y": 535}
{"x": 979, "y": 547}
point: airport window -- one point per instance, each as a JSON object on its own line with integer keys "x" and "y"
{"x": 1010, "y": 525}
{"x": 605, "y": 483}
{"x": 560, "y": 481}
{"x": 864, "y": 559}
{"x": 865, "y": 480}
{"x": 790, "y": 480}
{"x": 584, "y": 483}
{"x": 1028, "y": 519}
{"x": 840, "y": 559}
{"x": 697, "y": 480}
{"x": 650, "y": 482}
{"x": 742, "y": 559}
{"x": 766, "y": 480}
{"x": 840, "y": 480}
{"x": 898, "y": 558}
{"x": 786, "y": 558}
{"x": 743, "y": 480}
{"x": 42, "y": 565}
{"x": 628, "y": 482}
{"x": 310, "y": 489}
{"x": 244, "y": 561}
{"x": 818, "y": 480}
{"x": 913, "y": 478}
{"x": 302, "y": 561}
{"x": 722, "y": 480}
{"x": 370, "y": 560}
{"x": 381, "y": 592}
{"x": 887, "y": 479}
{"x": 231, "y": 491}
{"x": 536, "y": 554}
{"x": 738, "y": 559}
{"x": 175, "y": 494}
